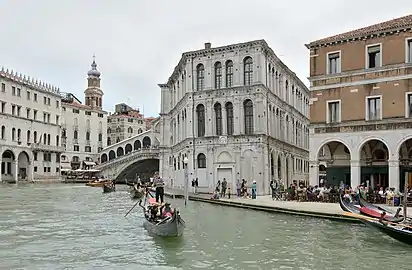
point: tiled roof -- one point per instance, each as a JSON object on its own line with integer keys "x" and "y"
{"x": 392, "y": 25}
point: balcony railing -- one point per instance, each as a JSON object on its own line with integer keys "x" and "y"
{"x": 48, "y": 148}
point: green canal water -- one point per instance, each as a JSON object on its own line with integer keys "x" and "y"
{"x": 77, "y": 227}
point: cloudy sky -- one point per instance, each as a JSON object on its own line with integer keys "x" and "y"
{"x": 137, "y": 43}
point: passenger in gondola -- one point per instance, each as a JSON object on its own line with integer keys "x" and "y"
{"x": 153, "y": 209}
{"x": 167, "y": 211}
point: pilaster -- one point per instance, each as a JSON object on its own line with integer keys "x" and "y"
{"x": 313, "y": 172}
{"x": 355, "y": 173}
{"x": 394, "y": 174}
{"x": 16, "y": 166}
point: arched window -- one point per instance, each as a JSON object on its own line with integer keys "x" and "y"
{"x": 3, "y": 132}
{"x": 57, "y": 140}
{"x": 63, "y": 133}
{"x": 248, "y": 114}
{"x": 229, "y": 118}
{"x": 48, "y": 139}
{"x": 117, "y": 140}
{"x": 109, "y": 142}
{"x": 140, "y": 131}
{"x": 87, "y": 136}
{"x": 200, "y": 77}
{"x": 13, "y": 134}
{"x": 218, "y": 118}
{"x": 35, "y": 137}
{"x": 118, "y": 129}
{"x": 100, "y": 137}
{"x": 19, "y": 135}
{"x": 130, "y": 130}
{"x": 201, "y": 161}
{"x": 201, "y": 125}
{"x": 76, "y": 134}
{"x": 229, "y": 73}
{"x": 218, "y": 75}
{"x": 248, "y": 70}
{"x": 44, "y": 138}
{"x": 28, "y": 136}
{"x": 109, "y": 131}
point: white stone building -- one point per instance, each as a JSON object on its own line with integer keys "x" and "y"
{"x": 30, "y": 115}
{"x": 236, "y": 112}
{"x": 124, "y": 123}
{"x": 84, "y": 125}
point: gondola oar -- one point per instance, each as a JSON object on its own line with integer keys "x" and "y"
{"x": 132, "y": 208}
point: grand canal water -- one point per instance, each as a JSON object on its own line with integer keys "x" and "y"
{"x": 77, "y": 227}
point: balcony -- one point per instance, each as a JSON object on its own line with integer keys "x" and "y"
{"x": 48, "y": 148}
{"x": 362, "y": 126}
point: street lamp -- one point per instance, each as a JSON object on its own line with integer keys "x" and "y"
{"x": 185, "y": 162}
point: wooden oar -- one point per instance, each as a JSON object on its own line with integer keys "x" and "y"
{"x": 163, "y": 221}
{"x": 132, "y": 208}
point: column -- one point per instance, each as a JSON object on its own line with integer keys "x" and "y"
{"x": 355, "y": 173}
{"x": 16, "y": 174}
{"x": 394, "y": 174}
{"x": 224, "y": 120}
{"x": 266, "y": 172}
{"x": 30, "y": 173}
{"x": 313, "y": 172}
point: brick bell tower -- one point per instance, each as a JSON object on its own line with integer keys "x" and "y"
{"x": 93, "y": 94}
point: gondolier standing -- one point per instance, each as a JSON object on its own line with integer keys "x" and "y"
{"x": 159, "y": 184}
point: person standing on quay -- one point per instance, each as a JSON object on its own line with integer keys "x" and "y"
{"x": 159, "y": 184}
{"x": 224, "y": 187}
{"x": 196, "y": 184}
{"x": 254, "y": 189}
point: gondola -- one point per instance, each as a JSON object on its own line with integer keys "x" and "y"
{"x": 348, "y": 206}
{"x": 400, "y": 232}
{"x": 375, "y": 214}
{"x": 108, "y": 189}
{"x": 172, "y": 226}
{"x": 364, "y": 203}
{"x": 135, "y": 194}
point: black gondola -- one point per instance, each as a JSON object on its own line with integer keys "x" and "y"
{"x": 136, "y": 194}
{"x": 399, "y": 232}
{"x": 348, "y": 206}
{"x": 107, "y": 188}
{"x": 364, "y": 203}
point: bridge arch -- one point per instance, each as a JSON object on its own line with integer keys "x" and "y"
{"x": 112, "y": 155}
{"x": 137, "y": 145}
{"x": 120, "y": 151}
{"x": 144, "y": 168}
{"x": 103, "y": 158}
{"x": 128, "y": 148}
{"x": 147, "y": 141}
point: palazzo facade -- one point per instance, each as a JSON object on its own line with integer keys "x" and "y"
{"x": 236, "y": 112}
{"x": 361, "y": 106}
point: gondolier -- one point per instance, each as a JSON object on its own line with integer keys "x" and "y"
{"x": 159, "y": 184}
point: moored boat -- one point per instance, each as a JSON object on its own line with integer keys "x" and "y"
{"x": 347, "y": 205}
{"x": 108, "y": 188}
{"x": 375, "y": 214}
{"x": 97, "y": 183}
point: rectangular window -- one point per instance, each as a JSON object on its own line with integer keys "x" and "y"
{"x": 18, "y": 110}
{"x": 57, "y": 119}
{"x": 3, "y": 87}
{"x": 44, "y": 117}
{"x": 75, "y": 111}
{"x": 35, "y": 97}
{"x": 334, "y": 63}
{"x": 45, "y": 100}
{"x": 28, "y": 95}
{"x": 27, "y": 113}
{"x": 374, "y": 56}
{"x": 409, "y": 105}
{"x": 87, "y": 113}
{"x": 374, "y": 111}
{"x": 35, "y": 156}
{"x": 48, "y": 101}
{"x": 13, "y": 109}
{"x": 57, "y": 104}
{"x": 3, "y": 107}
{"x": 100, "y": 115}
{"x": 34, "y": 114}
{"x": 18, "y": 92}
{"x": 76, "y": 148}
{"x": 333, "y": 112}
{"x": 13, "y": 90}
{"x": 409, "y": 51}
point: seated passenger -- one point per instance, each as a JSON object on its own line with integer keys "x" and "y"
{"x": 167, "y": 210}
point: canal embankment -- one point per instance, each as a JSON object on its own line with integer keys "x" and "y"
{"x": 331, "y": 211}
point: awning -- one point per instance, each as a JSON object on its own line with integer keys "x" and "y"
{"x": 65, "y": 165}
{"x": 89, "y": 163}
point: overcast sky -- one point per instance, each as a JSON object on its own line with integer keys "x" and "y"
{"x": 138, "y": 43}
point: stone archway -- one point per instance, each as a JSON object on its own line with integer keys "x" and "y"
{"x": 146, "y": 142}
{"x": 8, "y": 167}
{"x": 120, "y": 151}
{"x": 112, "y": 155}
{"x": 137, "y": 145}
{"x": 337, "y": 157}
{"x": 103, "y": 158}
{"x": 128, "y": 148}
{"x": 272, "y": 166}
{"x": 23, "y": 166}
{"x": 374, "y": 155}
{"x": 405, "y": 164}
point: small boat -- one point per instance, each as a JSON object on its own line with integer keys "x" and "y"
{"x": 135, "y": 194}
{"x": 108, "y": 188}
{"x": 348, "y": 206}
{"x": 375, "y": 214}
{"x": 398, "y": 231}
{"x": 97, "y": 183}
{"x": 172, "y": 226}
{"x": 364, "y": 203}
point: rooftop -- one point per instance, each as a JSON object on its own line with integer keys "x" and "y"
{"x": 383, "y": 27}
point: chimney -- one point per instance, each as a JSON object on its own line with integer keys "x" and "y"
{"x": 208, "y": 45}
